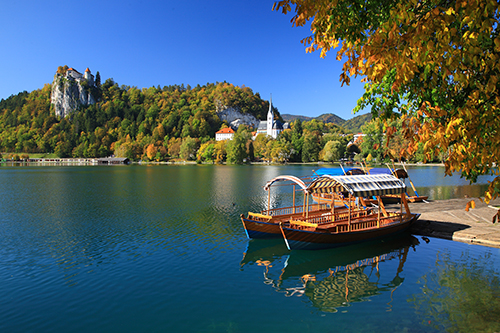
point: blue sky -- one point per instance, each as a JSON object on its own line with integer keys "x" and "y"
{"x": 151, "y": 43}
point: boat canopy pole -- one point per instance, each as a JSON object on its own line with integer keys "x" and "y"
{"x": 269, "y": 200}
{"x": 378, "y": 215}
{"x": 293, "y": 204}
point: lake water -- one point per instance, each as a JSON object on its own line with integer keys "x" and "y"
{"x": 162, "y": 249}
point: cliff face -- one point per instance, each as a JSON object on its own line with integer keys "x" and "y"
{"x": 235, "y": 118}
{"x": 69, "y": 91}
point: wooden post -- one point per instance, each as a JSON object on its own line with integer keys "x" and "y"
{"x": 401, "y": 207}
{"x": 304, "y": 205}
{"x": 268, "y": 201}
{"x": 293, "y": 199}
{"x": 407, "y": 208}
{"x": 307, "y": 206}
{"x": 333, "y": 208}
{"x": 349, "y": 218}
{"x": 378, "y": 217}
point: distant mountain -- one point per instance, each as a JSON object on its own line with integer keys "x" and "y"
{"x": 291, "y": 117}
{"x": 352, "y": 125}
{"x": 331, "y": 118}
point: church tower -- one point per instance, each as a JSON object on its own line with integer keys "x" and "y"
{"x": 270, "y": 118}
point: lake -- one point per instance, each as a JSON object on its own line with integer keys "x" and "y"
{"x": 161, "y": 248}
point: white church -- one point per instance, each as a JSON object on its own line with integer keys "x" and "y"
{"x": 270, "y": 126}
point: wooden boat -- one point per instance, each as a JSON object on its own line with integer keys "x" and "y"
{"x": 266, "y": 223}
{"x": 354, "y": 225}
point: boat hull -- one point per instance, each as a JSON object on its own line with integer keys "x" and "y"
{"x": 261, "y": 230}
{"x": 313, "y": 240}
{"x": 258, "y": 228}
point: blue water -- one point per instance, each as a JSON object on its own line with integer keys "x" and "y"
{"x": 162, "y": 248}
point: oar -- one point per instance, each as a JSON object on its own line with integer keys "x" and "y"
{"x": 392, "y": 170}
{"x": 342, "y": 168}
{"x": 413, "y": 186}
{"x": 365, "y": 170}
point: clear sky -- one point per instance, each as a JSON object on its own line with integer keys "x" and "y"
{"x": 146, "y": 43}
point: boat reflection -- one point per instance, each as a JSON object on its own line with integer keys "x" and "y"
{"x": 336, "y": 278}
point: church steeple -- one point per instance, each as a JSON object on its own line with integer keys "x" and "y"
{"x": 270, "y": 118}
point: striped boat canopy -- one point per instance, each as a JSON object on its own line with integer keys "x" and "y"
{"x": 358, "y": 185}
{"x": 292, "y": 179}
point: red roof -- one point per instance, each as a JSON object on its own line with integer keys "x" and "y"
{"x": 74, "y": 70}
{"x": 226, "y": 130}
{"x": 87, "y": 70}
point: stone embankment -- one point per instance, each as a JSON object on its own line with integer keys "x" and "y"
{"x": 448, "y": 219}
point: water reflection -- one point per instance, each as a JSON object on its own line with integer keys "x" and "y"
{"x": 332, "y": 279}
{"x": 460, "y": 295}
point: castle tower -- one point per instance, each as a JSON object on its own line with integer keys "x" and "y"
{"x": 270, "y": 118}
{"x": 88, "y": 76}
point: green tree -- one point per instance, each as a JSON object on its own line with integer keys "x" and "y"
{"x": 310, "y": 148}
{"x": 188, "y": 149}
{"x": 331, "y": 152}
{"x": 297, "y": 141}
{"x": 373, "y": 140}
{"x": 237, "y": 147}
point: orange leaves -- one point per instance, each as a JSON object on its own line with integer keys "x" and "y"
{"x": 470, "y": 204}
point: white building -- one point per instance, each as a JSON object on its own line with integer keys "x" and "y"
{"x": 224, "y": 134}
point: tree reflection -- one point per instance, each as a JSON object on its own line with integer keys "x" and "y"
{"x": 460, "y": 295}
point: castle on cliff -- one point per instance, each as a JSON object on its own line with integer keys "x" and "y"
{"x": 71, "y": 72}
{"x": 70, "y": 90}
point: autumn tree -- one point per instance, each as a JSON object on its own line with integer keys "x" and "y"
{"x": 206, "y": 153}
{"x": 331, "y": 151}
{"x": 434, "y": 62}
{"x": 188, "y": 148}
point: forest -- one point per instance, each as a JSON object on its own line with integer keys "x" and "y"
{"x": 176, "y": 123}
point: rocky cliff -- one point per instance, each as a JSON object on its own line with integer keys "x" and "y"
{"x": 71, "y": 90}
{"x": 235, "y": 118}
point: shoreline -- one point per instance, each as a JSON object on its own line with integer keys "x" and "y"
{"x": 448, "y": 219}
{"x": 94, "y": 161}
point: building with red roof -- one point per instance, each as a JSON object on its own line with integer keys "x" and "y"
{"x": 224, "y": 134}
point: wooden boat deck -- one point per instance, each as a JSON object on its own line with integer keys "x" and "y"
{"x": 360, "y": 221}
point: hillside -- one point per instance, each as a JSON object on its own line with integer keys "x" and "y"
{"x": 156, "y": 124}
{"x": 125, "y": 117}
{"x": 352, "y": 125}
